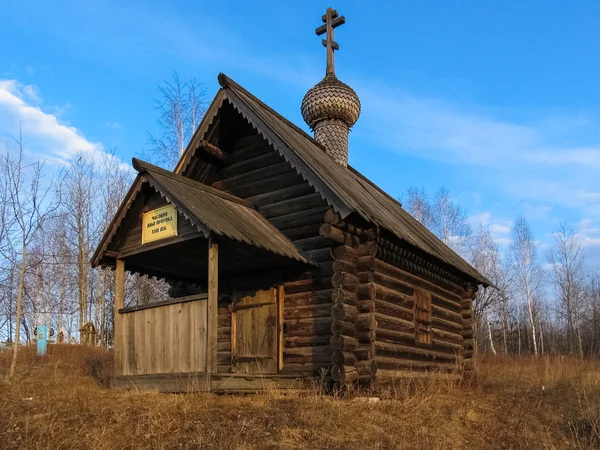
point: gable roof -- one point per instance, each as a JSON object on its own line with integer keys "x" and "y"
{"x": 344, "y": 188}
{"x": 209, "y": 209}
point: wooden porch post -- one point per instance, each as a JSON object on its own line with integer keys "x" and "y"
{"x": 119, "y": 303}
{"x": 212, "y": 306}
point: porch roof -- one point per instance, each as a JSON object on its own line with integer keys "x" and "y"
{"x": 209, "y": 210}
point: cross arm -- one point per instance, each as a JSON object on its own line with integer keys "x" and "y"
{"x": 334, "y": 24}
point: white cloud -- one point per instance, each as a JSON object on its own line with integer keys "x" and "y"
{"x": 46, "y": 136}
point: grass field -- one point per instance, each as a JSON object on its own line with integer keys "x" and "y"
{"x": 536, "y": 403}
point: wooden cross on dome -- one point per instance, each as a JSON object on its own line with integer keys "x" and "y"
{"x": 331, "y": 21}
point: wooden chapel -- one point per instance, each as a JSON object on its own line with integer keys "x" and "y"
{"x": 286, "y": 264}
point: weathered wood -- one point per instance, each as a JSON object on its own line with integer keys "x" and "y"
{"x": 365, "y": 337}
{"x": 319, "y": 255}
{"x": 390, "y": 309}
{"x": 249, "y": 164}
{"x": 344, "y": 279}
{"x": 212, "y": 305}
{"x": 366, "y": 291}
{"x": 307, "y": 285}
{"x": 305, "y": 231}
{"x": 304, "y": 327}
{"x": 299, "y": 355}
{"x": 343, "y": 266}
{"x": 279, "y": 195}
{"x": 308, "y": 298}
{"x": 252, "y": 176}
{"x": 397, "y": 364}
{"x": 342, "y": 327}
{"x": 213, "y": 153}
{"x": 341, "y": 358}
{"x": 312, "y": 243}
{"x": 328, "y": 231}
{"x": 341, "y": 311}
{"x": 280, "y": 325}
{"x": 367, "y": 249}
{"x": 293, "y": 205}
{"x": 119, "y": 338}
{"x": 365, "y": 351}
{"x": 395, "y": 336}
{"x": 343, "y": 343}
{"x": 298, "y": 218}
{"x": 310, "y": 340}
{"x": 340, "y": 295}
{"x": 344, "y": 252}
{"x": 344, "y": 374}
{"x": 388, "y": 349}
{"x": 367, "y": 367}
{"x": 308, "y": 311}
{"x": 446, "y": 314}
{"x": 366, "y": 322}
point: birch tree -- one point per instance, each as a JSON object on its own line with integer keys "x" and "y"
{"x": 180, "y": 107}
{"x": 527, "y": 272}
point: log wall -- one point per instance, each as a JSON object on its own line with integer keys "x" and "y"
{"x": 259, "y": 174}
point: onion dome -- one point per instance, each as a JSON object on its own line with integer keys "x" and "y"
{"x": 330, "y": 99}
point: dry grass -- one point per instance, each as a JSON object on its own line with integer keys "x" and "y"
{"x": 61, "y": 402}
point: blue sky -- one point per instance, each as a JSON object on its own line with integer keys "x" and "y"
{"x": 499, "y": 103}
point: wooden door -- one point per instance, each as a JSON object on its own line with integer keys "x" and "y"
{"x": 255, "y": 331}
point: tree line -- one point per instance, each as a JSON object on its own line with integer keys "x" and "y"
{"x": 541, "y": 302}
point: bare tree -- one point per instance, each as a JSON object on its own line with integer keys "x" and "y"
{"x": 527, "y": 272}
{"x": 417, "y": 204}
{"x": 180, "y": 106}
{"x": 449, "y": 221}
{"x": 30, "y": 207}
{"x": 567, "y": 260}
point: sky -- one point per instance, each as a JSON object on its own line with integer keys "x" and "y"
{"x": 497, "y": 101}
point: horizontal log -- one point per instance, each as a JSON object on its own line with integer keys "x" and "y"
{"x": 447, "y": 336}
{"x": 447, "y": 346}
{"x": 365, "y": 351}
{"x": 339, "y": 265}
{"x": 344, "y": 374}
{"x": 279, "y": 195}
{"x": 390, "y": 309}
{"x": 366, "y": 291}
{"x": 292, "y": 205}
{"x": 342, "y": 327}
{"x": 319, "y": 255}
{"x": 388, "y": 363}
{"x": 386, "y": 281}
{"x": 312, "y": 243}
{"x": 328, "y": 231}
{"x": 437, "y": 311}
{"x": 213, "y": 153}
{"x": 223, "y": 334}
{"x": 224, "y": 368}
{"x": 250, "y": 146}
{"x": 367, "y": 249}
{"x": 305, "y": 341}
{"x": 268, "y": 184}
{"x": 345, "y": 280}
{"x": 223, "y": 320}
{"x": 343, "y": 343}
{"x": 307, "y": 285}
{"x": 446, "y": 325}
{"x": 224, "y": 357}
{"x": 307, "y": 312}
{"x": 390, "y": 349}
{"x": 308, "y": 298}
{"x": 322, "y": 352}
{"x": 341, "y": 311}
{"x": 394, "y": 323}
{"x": 365, "y": 337}
{"x": 366, "y": 322}
{"x": 395, "y": 336}
{"x": 341, "y": 295}
{"x": 446, "y": 303}
{"x": 252, "y": 176}
{"x": 304, "y": 231}
{"x": 341, "y": 358}
{"x": 365, "y": 306}
{"x": 344, "y": 252}
{"x": 253, "y": 162}
{"x": 307, "y": 327}
{"x": 367, "y": 367}
{"x": 395, "y": 297}
{"x": 307, "y": 369}
{"x": 224, "y": 346}
{"x": 414, "y": 280}
{"x": 298, "y": 218}
{"x": 333, "y": 218}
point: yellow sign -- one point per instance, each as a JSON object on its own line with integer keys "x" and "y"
{"x": 159, "y": 224}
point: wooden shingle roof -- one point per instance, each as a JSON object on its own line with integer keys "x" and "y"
{"x": 344, "y": 188}
{"x": 211, "y": 211}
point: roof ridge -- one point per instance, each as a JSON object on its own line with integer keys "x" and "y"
{"x": 143, "y": 166}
